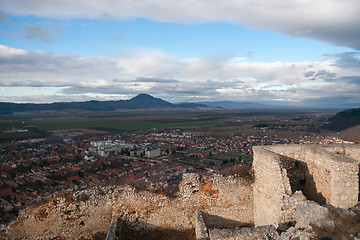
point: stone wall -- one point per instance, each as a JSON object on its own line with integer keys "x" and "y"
{"x": 229, "y": 198}
{"x": 326, "y": 174}
{"x": 201, "y": 231}
{"x": 274, "y": 202}
{"x": 349, "y": 150}
{"x": 267, "y": 193}
{"x": 111, "y": 234}
{"x": 318, "y": 175}
{"x": 334, "y": 177}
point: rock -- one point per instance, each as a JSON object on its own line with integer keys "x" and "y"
{"x": 300, "y": 234}
{"x": 288, "y": 234}
{"x": 311, "y": 213}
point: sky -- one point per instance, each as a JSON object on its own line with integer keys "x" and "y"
{"x": 289, "y": 52}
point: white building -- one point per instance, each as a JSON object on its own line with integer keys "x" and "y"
{"x": 152, "y": 153}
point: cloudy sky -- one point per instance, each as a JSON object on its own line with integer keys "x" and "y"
{"x": 295, "y": 52}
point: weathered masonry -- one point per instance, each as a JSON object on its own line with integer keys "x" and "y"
{"x": 286, "y": 175}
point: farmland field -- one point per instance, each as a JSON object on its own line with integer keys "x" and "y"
{"x": 109, "y": 123}
{"x": 126, "y": 122}
{"x": 212, "y": 123}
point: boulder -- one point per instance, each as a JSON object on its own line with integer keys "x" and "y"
{"x": 311, "y": 213}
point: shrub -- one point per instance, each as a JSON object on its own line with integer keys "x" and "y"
{"x": 83, "y": 197}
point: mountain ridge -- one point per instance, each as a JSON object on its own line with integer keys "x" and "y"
{"x": 141, "y": 101}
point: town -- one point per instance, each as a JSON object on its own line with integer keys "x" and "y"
{"x": 153, "y": 159}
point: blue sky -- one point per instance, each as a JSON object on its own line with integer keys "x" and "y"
{"x": 286, "y": 52}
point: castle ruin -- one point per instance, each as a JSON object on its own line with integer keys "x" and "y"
{"x": 286, "y": 175}
{"x": 216, "y": 206}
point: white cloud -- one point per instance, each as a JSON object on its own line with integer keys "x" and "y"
{"x": 332, "y": 21}
{"x": 145, "y": 62}
{"x": 6, "y": 51}
{"x": 157, "y": 73}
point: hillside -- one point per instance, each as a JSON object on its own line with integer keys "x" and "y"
{"x": 141, "y": 101}
{"x": 351, "y": 134}
{"x": 344, "y": 119}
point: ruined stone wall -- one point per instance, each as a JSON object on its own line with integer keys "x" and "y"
{"x": 267, "y": 193}
{"x": 331, "y": 176}
{"x": 201, "y": 231}
{"x": 274, "y": 202}
{"x": 334, "y": 177}
{"x": 344, "y": 183}
{"x": 296, "y": 152}
{"x": 288, "y": 207}
{"x": 352, "y": 151}
{"x": 318, "y": 175}
{"x": 64, "y": 217}
{"x": 349, "y": 150}
{"x": 229, "y": 198}
{"x": 321, "y": 174}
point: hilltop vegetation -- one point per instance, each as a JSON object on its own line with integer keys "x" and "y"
{"x": 351, "y": 134}
{"x": 344, "y": 119}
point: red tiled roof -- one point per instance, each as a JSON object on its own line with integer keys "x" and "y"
{"x": 6, "y": 192}
{"x": 75, "y": 168}
{"x": 5, "y": 168}
{"x": 92, "y": 177}
{"x": 73, "y": 178}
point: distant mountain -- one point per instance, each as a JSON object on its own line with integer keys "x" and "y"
{"x": 234, "y": 105}
{"x": 344, "y": 119}
{"x": 192, "y": 105}
{"x": 141, "y": 101}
